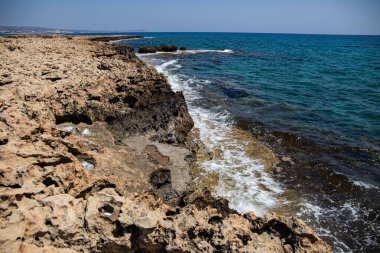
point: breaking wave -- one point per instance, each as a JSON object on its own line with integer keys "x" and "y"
{"x": 242, "y": 179}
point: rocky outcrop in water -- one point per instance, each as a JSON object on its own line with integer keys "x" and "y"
{"x": 95, "y": 157}
{"x": 154, "y": 49}
{"x": 113, "y": 38}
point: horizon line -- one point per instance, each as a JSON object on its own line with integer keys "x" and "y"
{"x": 147, "y": 31}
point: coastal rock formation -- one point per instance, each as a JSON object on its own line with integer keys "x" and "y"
{"x": 113, "y": 38}
{"x": 95, "y": 157}
{"x": 154, "y": 49}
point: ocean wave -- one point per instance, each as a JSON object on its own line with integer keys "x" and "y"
{"x": 161, "y": 68}
{"x": 242, "y": 179}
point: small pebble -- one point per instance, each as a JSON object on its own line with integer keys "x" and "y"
{"x": 287, "y": 159}
{"x": 277, "y": 169}
{"x": 68, "y": 129}
{"x": 86, "y": 132}
{"x": 87, "y": 165}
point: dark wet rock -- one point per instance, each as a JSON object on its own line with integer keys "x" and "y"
{"x": 205, "y": 199}
{"x": 167, "y": 48}
{"x": 113, "y": 38}
{"x": 147, "y": 50}
{"x": 154, "y": 49}
{"x": 124, "y": 50}
{"x": 160, "y": 177}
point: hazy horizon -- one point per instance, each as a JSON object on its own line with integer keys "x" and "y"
{"x": 340, "y": 17}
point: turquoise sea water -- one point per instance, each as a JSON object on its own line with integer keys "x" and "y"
{"x": 315, "y": 98}
{"x": 326, "y": 87}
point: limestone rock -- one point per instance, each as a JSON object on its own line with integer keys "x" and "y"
{"x": 134, "y": 197}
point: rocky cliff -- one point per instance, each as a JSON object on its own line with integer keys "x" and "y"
{"x": 95, "y": 157}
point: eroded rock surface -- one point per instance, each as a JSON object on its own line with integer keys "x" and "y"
{"x": 95, "y": 157}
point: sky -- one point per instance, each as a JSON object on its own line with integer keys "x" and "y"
{"x": 265, "y": 16}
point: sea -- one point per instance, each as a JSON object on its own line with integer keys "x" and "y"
{"x": 314, "y": 100}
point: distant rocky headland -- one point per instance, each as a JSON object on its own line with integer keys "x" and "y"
{"x": 96, "y": 152}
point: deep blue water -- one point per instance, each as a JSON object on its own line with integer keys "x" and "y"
{"x": 317, "y": 97}
{"x": 321, "y": 87}
{"x": 325, "y": 87}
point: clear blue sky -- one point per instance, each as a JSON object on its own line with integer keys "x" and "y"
{"x": 272, "y": 16}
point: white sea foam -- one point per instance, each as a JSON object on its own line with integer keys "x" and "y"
{"x": 161, "y": 68}
{"x": 314, "y": 214}
{"x": 365, "y": 185}
{"x": 242, "y": 179}
{"x": 333, "y": 227}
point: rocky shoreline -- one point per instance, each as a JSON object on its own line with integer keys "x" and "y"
{"x": 95, "y": 156}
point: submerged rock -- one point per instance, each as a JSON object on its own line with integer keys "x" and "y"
{"x": 154, "y": 49}
{"x": 147, "y": 50}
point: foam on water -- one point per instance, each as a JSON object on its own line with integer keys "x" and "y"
{"x": 161, "y": 68}
{"x": 326, "y": 220}
{"x": 242, "y": 179}
{"x": 365, "y": 185}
